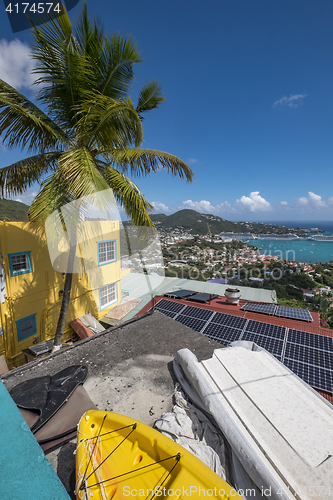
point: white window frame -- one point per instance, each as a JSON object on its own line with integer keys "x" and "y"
{"x": 102, "y": 248}
{"x": 111, "y": 295}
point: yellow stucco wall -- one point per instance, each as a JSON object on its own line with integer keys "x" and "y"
{"x": 39, "y": 291}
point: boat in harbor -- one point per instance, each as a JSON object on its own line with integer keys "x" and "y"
{"x": 321, "y": 237}
{"x": 273, "y": 236}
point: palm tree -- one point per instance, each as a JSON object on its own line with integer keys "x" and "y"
{"x": 87, "y": 134}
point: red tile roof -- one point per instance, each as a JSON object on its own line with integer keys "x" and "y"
{"x": 222, "y": 306}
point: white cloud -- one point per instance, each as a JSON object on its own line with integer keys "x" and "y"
{"x": 293, "y": 101}
{"x": 205, "y": 206}
{"x": 255, "y": 202}
{"x": 26, "y": 197}
{"x": 315, "y": 201}
{"x": 199, "y": 206}
{"x": 284, "y": 203}
{"x": 160, "y": 207}
{"x": 16, "y": 63}
{"x": 190, "y": 161}
{"x": 225, "y": 207}
{"x": 303, "y": 200}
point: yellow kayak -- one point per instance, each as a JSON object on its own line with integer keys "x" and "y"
{"x": 118, "y": 457}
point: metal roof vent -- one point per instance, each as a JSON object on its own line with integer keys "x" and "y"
{"x": 232, "y": 295}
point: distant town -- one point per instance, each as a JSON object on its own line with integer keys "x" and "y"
{"x": 227, "y": 257}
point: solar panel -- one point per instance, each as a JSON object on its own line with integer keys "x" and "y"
{"x": 168, "y": 305}
{"x": 272, "y": 345}
{"x": 294, "y": 313}
{"x": 180, "y": 294}
{"x": 167, "y": 313}
{"x": 309, "y": 355}
{"x": 320, "y": 378}
{"x": 197, "y": 312}
{"x": 266, "y": 329}
{"x": 222, "y": 333}
{"x": 194, "y": 323}
{"x": 228, "y": 319}
{"x": 203, "y": 297}
{"x": 261, "y": 308}
{"x": 310, "y": 339}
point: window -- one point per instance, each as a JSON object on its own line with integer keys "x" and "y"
{"x": 26, "y": 327}
{"x": 106, "y": 252}
{"x": 19, "y": 263}
{"x": 108, "y": 295}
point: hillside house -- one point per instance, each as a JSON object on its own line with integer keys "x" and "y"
{"x": 31, "y": 286}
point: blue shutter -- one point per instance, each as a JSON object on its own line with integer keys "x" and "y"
{"x": 26, "y": 327}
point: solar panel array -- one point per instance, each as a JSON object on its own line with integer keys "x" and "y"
{"x": 281, "y": 311}
{"x": 202, "y": 297}
{"x": 270, "y": 337}
{"x": 181, "y": 294}
{"x": 261, "y": 308}
{"x": 293, "y": 313}
{"x": 191, "y": 295}
{"x": 309, "y": 355}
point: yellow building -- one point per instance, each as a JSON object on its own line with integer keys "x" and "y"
{"x": 31, "y": 287}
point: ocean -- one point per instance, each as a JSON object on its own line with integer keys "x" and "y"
{"x": 302, "y": 250}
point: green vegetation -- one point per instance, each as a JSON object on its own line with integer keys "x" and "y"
{"x": 13, "y": 210}
{"x": 196, "y": 223}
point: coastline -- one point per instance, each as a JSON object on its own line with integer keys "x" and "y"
{"x": 300, "y": 250}
{"x": 303, "y": 251}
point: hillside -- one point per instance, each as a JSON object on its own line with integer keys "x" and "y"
{"x": 13, "y": 210}
{"x": 196, "y": 223}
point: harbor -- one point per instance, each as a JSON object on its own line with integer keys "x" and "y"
{"x": 299, "y": 250}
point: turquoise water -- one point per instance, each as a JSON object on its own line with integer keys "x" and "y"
{"x": 296, "y": 250}
{"x": 299, "y": 250}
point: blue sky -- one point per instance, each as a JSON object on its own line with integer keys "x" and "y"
{"x": 249, "y": 107}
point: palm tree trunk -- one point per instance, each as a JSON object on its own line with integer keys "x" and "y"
{"x": 65, "y": 299}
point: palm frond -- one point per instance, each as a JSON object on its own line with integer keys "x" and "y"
{"x": 115, "y": 66}
{"x": 54, "y": 194}
{"x": 79, "y": 168}
{"x": 129, "y": 196}
{"x": 150, "y": 97}
{"x": 108, "y": 123}
{"x": 90, "y": 36}
{"x": 141, "y": 162}
{"x": 64, "y": 68}
{"x": 17, "y": 177}
{"x": 24, "y": 125}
